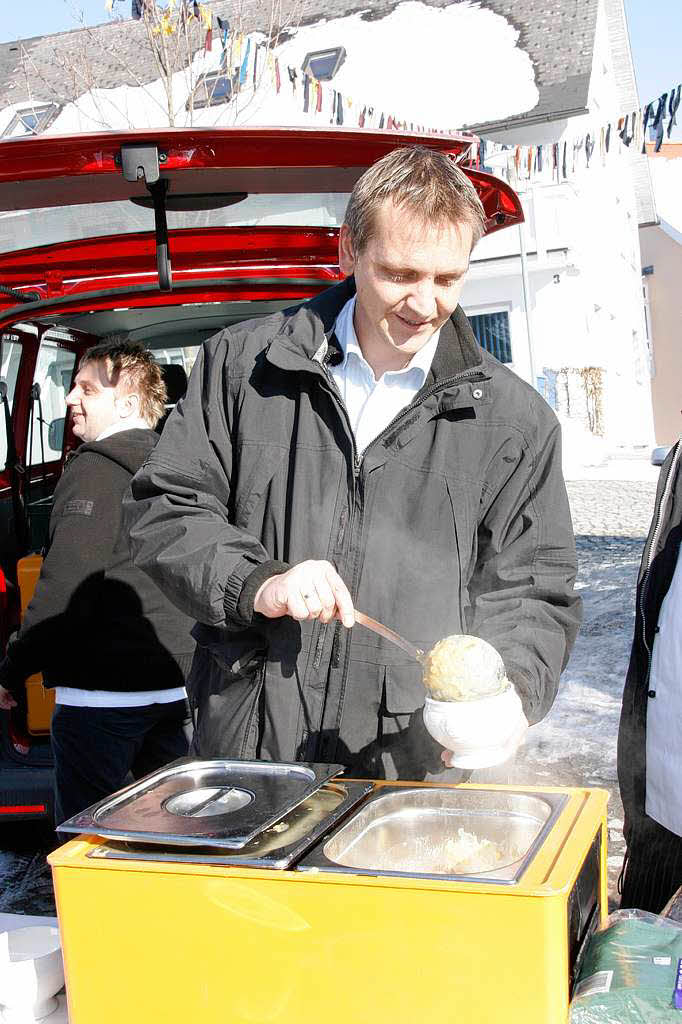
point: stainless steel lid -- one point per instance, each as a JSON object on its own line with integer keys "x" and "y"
{"x": 221, "y": 803}
{"x": 277, "y": 847}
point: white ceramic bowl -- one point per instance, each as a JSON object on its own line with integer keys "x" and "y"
{"x": 480, "y": 733}
{"x": 31, "y": 973}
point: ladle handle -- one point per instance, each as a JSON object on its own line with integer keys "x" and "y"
{"x": 389, "y": 634}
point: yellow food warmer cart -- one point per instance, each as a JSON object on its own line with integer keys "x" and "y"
{"x": 362, "y": 925}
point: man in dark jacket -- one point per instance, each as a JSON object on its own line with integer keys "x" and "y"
{"x": 117, "y": 651}
{"x": 649, "y": 745}
{"x": 360, "y": 450}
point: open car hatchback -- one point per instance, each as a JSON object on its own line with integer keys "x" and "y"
{"x": 165, "y": 237}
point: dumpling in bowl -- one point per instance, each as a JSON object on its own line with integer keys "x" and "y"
{"x": 462, "y": 667}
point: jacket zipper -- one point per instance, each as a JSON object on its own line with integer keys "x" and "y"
{"x": 658, "y": 523}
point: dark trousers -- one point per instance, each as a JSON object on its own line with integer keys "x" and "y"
{"x": 653, "y": 867}
{"x": 95, "y": 749}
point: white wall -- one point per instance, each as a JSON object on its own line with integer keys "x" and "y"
{"x": 583, "y": 231}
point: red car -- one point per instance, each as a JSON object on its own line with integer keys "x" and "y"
{"x": 164, "y": 236}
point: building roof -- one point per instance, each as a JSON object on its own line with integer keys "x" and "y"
{"x": 558, "y": 36}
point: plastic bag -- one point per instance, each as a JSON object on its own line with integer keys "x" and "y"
{"x": 629, "y": 972}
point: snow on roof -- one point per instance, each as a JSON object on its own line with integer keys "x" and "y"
{"x": 538, "y": 69}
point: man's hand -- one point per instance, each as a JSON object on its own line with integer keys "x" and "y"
{"x": 310, "y": 590}
{"x": 7, "y": 701}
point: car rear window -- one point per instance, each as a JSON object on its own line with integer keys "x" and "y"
{"x": 26, "y": 229}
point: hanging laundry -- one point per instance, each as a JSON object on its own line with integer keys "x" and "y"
{"x": 589, "y": 148}
{"x": 255, "y": 63}
{"x": 381, "y": 121}
{"x": 206, "y": 16}
{"x": 607, "y": 138}
{"x": 278, "y": 79}
{"x": 208, "y": 42}
{"x": 339, "y": 109}
{"x": 224, "y": 26}
{"x": 564, "y": 169}
{"x": 109, "y": 5}
{"x": 292, "y": 78}
{"x": 648, "y": 113}
{"x": 660, "y": 110}
{"x": 306, "y": 92}
{"x": 136, "y": 9}
{"x": 196, "y": 9}
{"x": 659, "y": 120}
{"x": 245, "y": 63}
{"x": 529, "y": 160}
{"x": 166, "y": 26}
{"x": 673, "y": 104}
{"x": 318, "y": 98}
{"x": 361, "y": 118}
{"x": 539, "y": 159}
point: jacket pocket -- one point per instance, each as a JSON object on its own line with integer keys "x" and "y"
{"x": 224, "y": 688}
{"x": 403, "y": 689}
{"x": 258, "y": 464}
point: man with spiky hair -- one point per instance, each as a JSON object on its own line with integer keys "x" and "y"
{"x": 360, "y": 450}
{"x": 116, "y": 650}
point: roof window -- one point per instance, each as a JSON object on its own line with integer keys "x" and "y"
{"x": 31, "y": 119}
{"x": 323, "y": 64}
{"x": 212, "y": 89}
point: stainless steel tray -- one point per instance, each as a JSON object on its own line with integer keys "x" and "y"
{"x": 222, "y": 803}
{"x": 416, "y": 832}
{"x": 276, "y": 848}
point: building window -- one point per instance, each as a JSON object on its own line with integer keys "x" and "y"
{"x": 31, "y": 120}
{"x": 492, "y": 334}
{"x": 323, "y": 64}
{"x": 546, "y": 385}
{"x": 212, "y": 89}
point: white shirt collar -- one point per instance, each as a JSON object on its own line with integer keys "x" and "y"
{"x": 134, "y": 423}
{"x": 348, "y": 340}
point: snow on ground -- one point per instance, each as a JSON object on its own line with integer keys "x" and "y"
{"x": 576, "y": 744}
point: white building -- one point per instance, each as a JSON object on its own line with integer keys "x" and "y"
{"x": 516, "y": 73}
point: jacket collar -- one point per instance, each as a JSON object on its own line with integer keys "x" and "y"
{"x": 308, "y": 331}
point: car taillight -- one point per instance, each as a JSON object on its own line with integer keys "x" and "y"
{"x": 23, "y": 809}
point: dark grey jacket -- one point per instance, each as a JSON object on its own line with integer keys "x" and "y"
{"x": 95, "y": 621}
{"x": 454, "y": 520}
{"x": 659, "y": 560}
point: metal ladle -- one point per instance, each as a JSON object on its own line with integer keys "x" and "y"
{"x": 390, "y": 635}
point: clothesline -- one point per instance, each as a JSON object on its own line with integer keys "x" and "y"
{"x": 558, "y": 160}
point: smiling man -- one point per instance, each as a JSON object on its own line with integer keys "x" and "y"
{"x": 360, "y": 450}
{"x": 98, "y": 629}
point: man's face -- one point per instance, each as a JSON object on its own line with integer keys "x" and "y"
{"x": 408, "y": 278}
{"x": 94, "y": 402}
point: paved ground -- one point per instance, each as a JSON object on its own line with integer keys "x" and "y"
{"x": 576, "y": 744}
